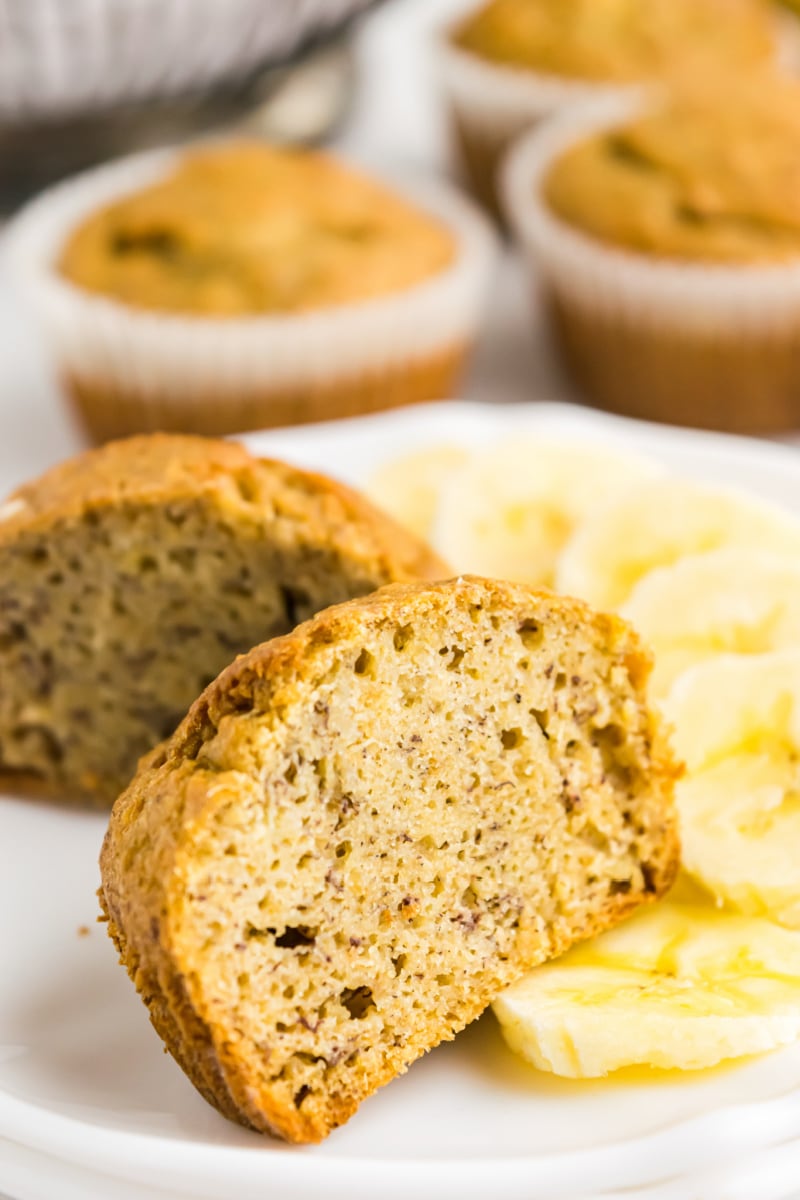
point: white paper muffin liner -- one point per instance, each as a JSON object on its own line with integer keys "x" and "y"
{"x": 638, "y": 290}
{"x": 191, "y": 359}
{"x": 66, "y": 56}
{"x": 495, "y": 103}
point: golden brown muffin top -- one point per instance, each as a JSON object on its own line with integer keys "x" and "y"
{"x": 166, "y": 468}
{"x": 711, "y": 176}
{"x": 617, "y": 40}
{"x": 244, "y": 228}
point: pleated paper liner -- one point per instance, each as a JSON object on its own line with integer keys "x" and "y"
{"x": 107, "y": 413}
{"x": 491, "y": 105}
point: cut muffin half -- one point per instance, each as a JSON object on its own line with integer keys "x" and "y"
{"x": 131, "y": 575}
{"x": 364, "y": 831}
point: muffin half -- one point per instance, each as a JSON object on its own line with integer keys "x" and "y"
{"x": 363, "y": 831}
{"x": 131, "y": 575}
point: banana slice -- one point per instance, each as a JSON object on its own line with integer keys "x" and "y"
{"x": 668, "y": 519}
{"x": 677, "y": 986}
{"x": 736, "y": 601}
{"x": 508, "y": 511}
{"x": 408, "y": 488}
{"x": 737, "y": 727}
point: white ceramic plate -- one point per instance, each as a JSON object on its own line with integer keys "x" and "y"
{"x": 84, "y": 1081}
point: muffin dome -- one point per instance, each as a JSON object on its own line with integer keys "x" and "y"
{"x": 237, "y": 286}
{"x": 245, "y": 228}
{"x": 694, "y": 180}
{"x": 616, "y": 40}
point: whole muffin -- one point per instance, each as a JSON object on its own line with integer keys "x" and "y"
{"x": 509, "y": 63}
{"x": 247, "y": 229}
{"x": 243, "y": 285}
{"x": 667, "y": 237}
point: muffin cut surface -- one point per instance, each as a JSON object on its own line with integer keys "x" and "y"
{"x": 131, "y": 575}
{"x": 365, "y": 830}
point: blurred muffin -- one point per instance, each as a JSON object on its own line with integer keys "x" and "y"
{"x": 248, "y": 229}
{"x": 667, "y": 238}
{"x": 511, "y": 62}
{"x": 242, "y": 285}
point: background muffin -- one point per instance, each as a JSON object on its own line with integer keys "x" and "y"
{"x": 671, "y": 262}
{"x": 512, "y": 62}
{"x": 245, "y": 286}
{"x": 248, "y": 229}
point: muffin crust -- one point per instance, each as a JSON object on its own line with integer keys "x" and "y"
{"x": 245, "y": 229}
{"x": 712, "y": 175}
{"x": 616, "y": 40}
{"x": 363, "y": 831}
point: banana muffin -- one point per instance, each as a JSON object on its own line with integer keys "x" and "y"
{"x": 241, "y": 285}
{"x": 667, "y": 236}
{"x": 130, "y": 576}
{"x": 247, "y": 229}
{"x": 365, "y": 830}
{"x": 509, "y": 63}
{"x": 695, "y": 179}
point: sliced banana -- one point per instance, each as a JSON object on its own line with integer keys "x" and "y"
{"x": 733, "y": 601}
{"x": 508, "y": 511}
{"x": 737, "y": 727}
{"x": 677, "y": 986}
{"x": 666, "y": 520}
{"x": 408, "y": 488}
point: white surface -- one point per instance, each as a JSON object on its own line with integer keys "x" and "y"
{"x": 84, "y": 1079}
